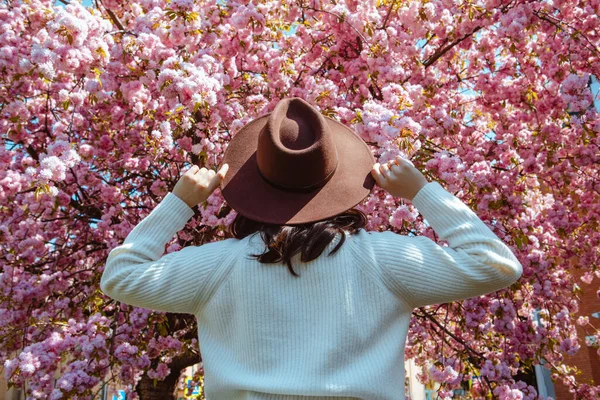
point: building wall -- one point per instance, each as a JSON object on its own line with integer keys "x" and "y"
{"x": 587, "y": 358}
{"x": 414, "y": 388}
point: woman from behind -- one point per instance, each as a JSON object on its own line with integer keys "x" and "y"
{"x": 302, "y": 301}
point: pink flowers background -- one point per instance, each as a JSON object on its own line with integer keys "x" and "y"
{"x": 102, "y": 107}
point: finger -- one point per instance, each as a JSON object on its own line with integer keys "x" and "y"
{"x": 396, "y": 168}
{"x": 396, "y": 171}
{"x": 192, "y": 170}
{"x": 206, "y": 179}
{"x": 385, "y": 170}
{"x": 223, "y": 171}
{"x": 405, "y": 161}
{"x": 203, "y": 170}
{"x": 391, "y": 170}
{"x": 214, "y": 182}
{"x": 379, "y": 178}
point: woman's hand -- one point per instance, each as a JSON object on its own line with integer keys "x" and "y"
{"x": 399, "y": 177}
{"x": 196, "y": 184}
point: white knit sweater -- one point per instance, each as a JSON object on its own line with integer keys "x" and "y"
{"x": 337, "y": 331}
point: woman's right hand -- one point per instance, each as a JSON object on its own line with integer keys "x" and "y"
{"x": 399, "y": 177}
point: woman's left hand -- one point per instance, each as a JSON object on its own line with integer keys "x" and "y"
{"x": 196, "y": 184}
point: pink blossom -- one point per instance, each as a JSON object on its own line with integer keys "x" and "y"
{"x": 587, "y": 277}
{"x": 52, "y": 168}
{"x": 161, "y": 371}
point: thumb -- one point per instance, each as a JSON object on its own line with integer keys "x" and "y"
{"x": 223, "y": 171}
{"x": 218, "y": 178}
{"x": 377, "y": 174}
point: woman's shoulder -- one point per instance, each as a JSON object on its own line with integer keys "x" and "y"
{"x": 222, "y": 243}
{"x": 374, "y": 236}
{"x": 361, "y": 236}
{"x": 362, "y": 232}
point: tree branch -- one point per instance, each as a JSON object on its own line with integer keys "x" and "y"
{"x": 459, "y": 340}
{"x": 387, "y": 17}
{"x": 443, "y": 50}
{"x": 114, "y": 19}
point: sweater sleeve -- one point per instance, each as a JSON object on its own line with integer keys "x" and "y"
{"x": 136, "y": 274}
{"x": 421, "y": 272}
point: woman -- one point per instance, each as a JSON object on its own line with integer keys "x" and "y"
{"x": 304, "y": 302}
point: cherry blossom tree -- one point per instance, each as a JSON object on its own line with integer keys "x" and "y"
{"x": 103, "y": 106}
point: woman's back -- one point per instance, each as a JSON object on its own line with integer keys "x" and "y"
{"x": 338, "y": 329}
{"x": 335, "y": 331}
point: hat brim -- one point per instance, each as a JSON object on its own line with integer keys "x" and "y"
{"x": 250, "y": 195}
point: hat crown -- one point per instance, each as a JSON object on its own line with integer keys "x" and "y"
{"x": 296, "y": 150}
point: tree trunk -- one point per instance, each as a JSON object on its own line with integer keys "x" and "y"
{"x": 167, "y": 388}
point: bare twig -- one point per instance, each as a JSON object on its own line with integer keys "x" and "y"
{"x": 443, "y": 50}
{"x": 387, "y": 17}
{"x": 113, "y": 17}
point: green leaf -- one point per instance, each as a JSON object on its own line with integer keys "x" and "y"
{"x": 166, "y": 83}
{"x": 162, "y": 330}
{"x": 519, "y": 242}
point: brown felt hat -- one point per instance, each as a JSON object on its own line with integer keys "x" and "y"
{"x": 295, "y": 165}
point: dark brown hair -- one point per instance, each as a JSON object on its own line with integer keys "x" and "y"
{"x": 284, "y": 241}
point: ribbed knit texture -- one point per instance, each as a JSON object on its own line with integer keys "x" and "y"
{"x": 337, "y": 331}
